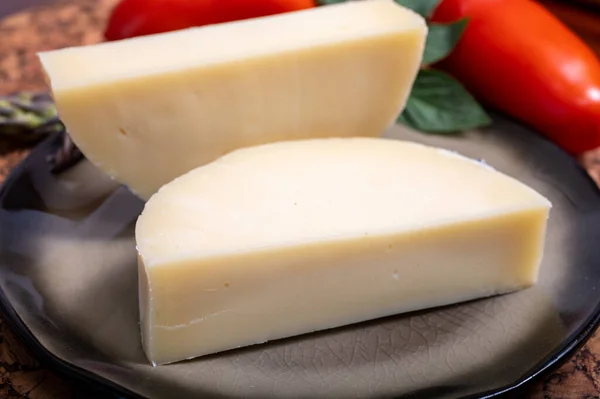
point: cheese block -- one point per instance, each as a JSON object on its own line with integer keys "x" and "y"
{"x": 149, "y": 109}
{"x": 287, "y": 238}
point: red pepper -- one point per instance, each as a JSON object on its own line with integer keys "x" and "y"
{"x": 517, "y": 57}
{"x": 132, "y": 18}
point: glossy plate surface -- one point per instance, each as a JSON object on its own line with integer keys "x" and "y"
{"x": 68, "y": 285}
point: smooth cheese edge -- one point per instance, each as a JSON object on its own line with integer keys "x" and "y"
{"x": 218, "y": 44}
{"x": 413, "y": 175}
{"x": 248, "y": 299}
{"x": 251, "y": 289}
{"x": 129, "y": 123}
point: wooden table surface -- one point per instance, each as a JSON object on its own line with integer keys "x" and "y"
{"x": 71, "y": 22}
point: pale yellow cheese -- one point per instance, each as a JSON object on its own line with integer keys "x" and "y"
{"x": 147, "y": 110}
{"x": 283, "y": 239}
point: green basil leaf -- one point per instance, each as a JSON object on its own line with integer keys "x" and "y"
{"x": 441, "y": 40}
{"x": 438, "y": 103}
{"x": 423, "y": 7}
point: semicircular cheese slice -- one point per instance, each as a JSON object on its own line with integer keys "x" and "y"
{"x": 148, "y": 109}
{"x": 287, "y": 238}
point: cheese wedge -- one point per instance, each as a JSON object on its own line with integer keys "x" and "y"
{"x": 283, "y": 239}
{"x": 149, "y": 109}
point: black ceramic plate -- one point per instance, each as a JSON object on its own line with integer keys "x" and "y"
{"x": 69, "y": 287}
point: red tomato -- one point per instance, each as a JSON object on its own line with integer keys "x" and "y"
{"x": 518, "y": 57}
{"x": 132, "y": 18}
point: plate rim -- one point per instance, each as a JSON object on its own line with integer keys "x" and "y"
{"x": 553, "y": 360}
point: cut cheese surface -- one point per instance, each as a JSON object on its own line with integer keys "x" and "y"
{"x": 146, "y": 110}
{"x": 288, "y": 238}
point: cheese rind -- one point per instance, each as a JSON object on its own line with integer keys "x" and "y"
{"x": 288, "y": 238}
{"x": 147, "y": 110}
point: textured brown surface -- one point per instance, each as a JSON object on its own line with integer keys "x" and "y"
{"x": 65, "y": 23}
{"x": 81, "y": 21}
{"x": 21, "y": 375}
